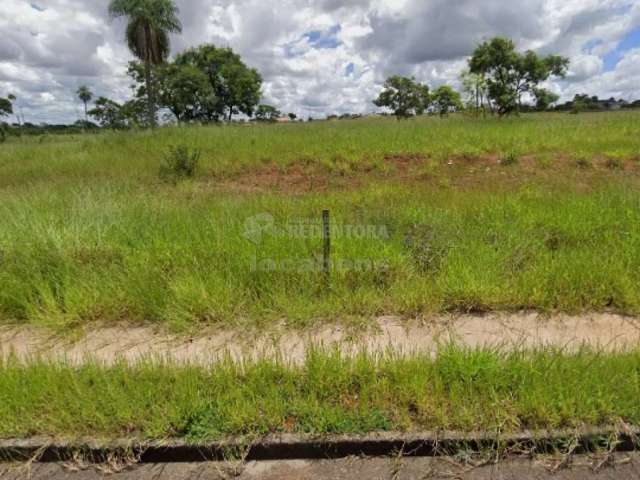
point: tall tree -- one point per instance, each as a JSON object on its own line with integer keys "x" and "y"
{"x": 544, "y": 98}
{"x": 13, "y": 99}
{"x": 6, "y": 109}
{"x": 404, "y": 96}
{"x": 235, "y": 87}
{"x": 474, "y": 88}
{"x": 108, "y": 114}
{"x": 149, "y": 24}
{"x": 85, "y": 95}
{"x": 445, "y": 100}
{"x": 510, "y": 74}
{"x": 182, "y": 89}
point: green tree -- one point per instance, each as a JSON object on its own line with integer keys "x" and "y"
{"x": 292, "y": 116}
{"x": 6, "y": 109}
{"x": 445, "y": 99}
{"x": 510, "y": 74}
{"x": 149, "y": 24}
{"x": 475, "y": 90}
{"x": 182, "y": 89}
{"x": 108, "y": 114}
{"x": 267, "y": 113}
{"x": 404, "y": 96}
{"x": 85, "y": 95}
{"x": 544, "y": 98}
{"x": 235, "y": 87}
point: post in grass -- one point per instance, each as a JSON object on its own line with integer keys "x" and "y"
{"x": 326, "y": 240}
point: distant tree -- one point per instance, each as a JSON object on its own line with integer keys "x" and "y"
{"x": 109, "y": 114}
{"x": 292, "y": 116}
{"x": 510, "y": 74}
{"x": 85, "y": 95}
{"x": 404, "y": 96}
{"x": 14, "y": 100}
{"x": 475, "y": 90}
{"x": 544, "y": 98}
{"x": 182, "y": 89}
{"x": 149, "y": 24}
{"x": 6, "y": 109}
{"x": 267, "y": 113}
{"x": 445, "y": 99}
{"x": 235, "y": 87}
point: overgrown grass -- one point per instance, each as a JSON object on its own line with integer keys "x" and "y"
{"x": 134, "y": 156}
{"x": 89, "y": 232}
{"x": 460, "y": 389}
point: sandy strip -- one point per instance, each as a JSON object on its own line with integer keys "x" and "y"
{"x": 523, "y": 330}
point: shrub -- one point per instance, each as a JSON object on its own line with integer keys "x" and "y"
{"x": 583, "y": 162}
{"x": 615, "y": 163}
{"x": 180, "y": 162}
{"x": 509, "y": 158}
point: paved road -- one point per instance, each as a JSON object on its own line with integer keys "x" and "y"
{"x": 624, "y": 466}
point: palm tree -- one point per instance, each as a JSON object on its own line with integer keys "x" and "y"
{"x": 85, "y": 95}
{"x": 150, "y": 23}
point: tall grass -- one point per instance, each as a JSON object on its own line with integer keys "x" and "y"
{"x": 88, "y": 232}
{"x": 128, "y": 156}
{"x": 461, "y": 389}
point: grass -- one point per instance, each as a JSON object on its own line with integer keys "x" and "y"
{"x": 426, "y": 220}
{"x": 461, "y": 389}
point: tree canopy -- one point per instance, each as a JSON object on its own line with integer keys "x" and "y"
{"x": 6, "y": 107}
{"x": 404, "y": 96}
{"x": 113, "y": 115}
{"x": 445, "y": 100}
{"x": 85, "y": 95}
{"x": 234, "y": 87}
{"x": 510, "y": 74}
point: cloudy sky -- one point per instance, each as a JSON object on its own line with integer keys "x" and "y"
{"x": 317, "y": 56}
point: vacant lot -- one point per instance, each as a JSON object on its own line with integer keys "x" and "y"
{"x": 429, "y": 217}
{"x": 538, "y": 212}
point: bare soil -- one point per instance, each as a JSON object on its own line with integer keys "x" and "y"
{"x": 460, "y": 171}
{"x": 608, "y": 332}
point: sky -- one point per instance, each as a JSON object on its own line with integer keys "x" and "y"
{"x": 317, "y": 57}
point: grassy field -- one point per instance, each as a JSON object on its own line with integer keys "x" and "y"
{"x": 537, "y": 212}
{"x": 462, "y": 390}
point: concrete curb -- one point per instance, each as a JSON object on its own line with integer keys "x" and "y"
{"x": 294, "y": 447}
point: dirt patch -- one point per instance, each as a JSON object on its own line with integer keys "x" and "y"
{"x": 466, "y": 172}
{"x": 525, "y": 330}
{"x": 404, "y": 162}
{"x": 290, "y": 179}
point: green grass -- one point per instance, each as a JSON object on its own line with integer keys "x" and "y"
{"x": 460, "y": 389}
{"x": 90, "y": 233}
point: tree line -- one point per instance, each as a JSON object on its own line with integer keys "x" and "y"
{"x": 207, "y": 84}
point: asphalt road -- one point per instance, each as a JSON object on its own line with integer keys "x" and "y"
{"x": 621, "y": 466}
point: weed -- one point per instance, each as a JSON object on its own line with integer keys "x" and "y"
{"x": 583, "y": 162}
{"x": 614, "y": 163}
{"x": 180, "y": 162}
{"x": 509, "y": 158}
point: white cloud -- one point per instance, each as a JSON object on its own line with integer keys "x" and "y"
{"x": 47, "y": 52}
